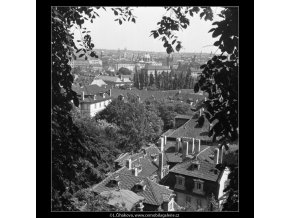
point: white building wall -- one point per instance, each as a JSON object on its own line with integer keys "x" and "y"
{"x": 93, "y": 109}
{"x": 181, "y": 200}
{"x": 223, "y": 179}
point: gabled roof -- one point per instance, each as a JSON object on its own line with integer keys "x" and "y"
{"x": 149, "y": 166}
{"x": 206, "y": 170}
{"x": 92, "y": 89}
{"x": 98, "y": 82}
{"x": 191, "y": 130}
{"x": 168, "y": 132}
{"x": 153, "y": 192}
{"x": 122, "y": 198}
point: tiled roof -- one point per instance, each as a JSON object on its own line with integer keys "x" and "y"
{"x": 207, "y": 154}
{"x": 175, "y": 157}
{"x": 92, "y": 89}
{"x": 119, "y": 197}
{"x": 206, "y": 170}
{"x": 168, "y": 132}
{"x": 148, "y": 168}
{"x": 152, "y": 193}
{"x": 99, "y": 82}
{"x": 152, "y": 149}
{"x": 191, "y": 130}
{"x": 122, "y": 157}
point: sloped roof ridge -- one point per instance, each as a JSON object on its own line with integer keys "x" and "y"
{"x": 103, "y": 181}
{"x": 153, "y": 192}
{"x": 182, "y": 126}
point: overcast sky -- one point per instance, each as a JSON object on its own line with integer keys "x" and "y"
{"x": 108, "y": 34}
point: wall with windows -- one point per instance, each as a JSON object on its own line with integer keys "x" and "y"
{"x": 98, "y": 107}
{"x": 93, "y": 108}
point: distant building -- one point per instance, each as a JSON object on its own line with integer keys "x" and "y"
{"x": 96, "y": 64}
{"x": 115, "y": 81}
{"x": 92, "y": 99}
{"x": 151, "y": 69}
{"x": 126, "y": 64}
{"x": 99, "y": 82}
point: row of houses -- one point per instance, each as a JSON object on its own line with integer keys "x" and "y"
{"x": 179, "y": 173}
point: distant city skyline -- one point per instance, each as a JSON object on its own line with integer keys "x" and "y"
{"x": 108, "y": 34}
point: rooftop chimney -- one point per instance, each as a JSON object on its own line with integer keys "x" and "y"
{"x": 137, "y": 169}
{"x": 129, "y": 164}
{"x": 83, "y": 95}
{"x": 165, "y": 140}
{"x": 161, "y": 144}
{"x": 216, "y": 156}
{"x": 222, "y": 150}
{"x": 197, "y": 146}
{"x": 160, "y": 165}
{"x": 191, "y": 146}
{"x": 177, "y": 144}
{"x": 184, "y": 149}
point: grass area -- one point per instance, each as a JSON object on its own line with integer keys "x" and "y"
{"x": 160, "y": 94}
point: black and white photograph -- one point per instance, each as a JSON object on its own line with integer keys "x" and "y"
{"x": 145, "y": 109}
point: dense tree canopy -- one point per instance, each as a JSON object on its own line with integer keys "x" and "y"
{"x": 137, "y": 124}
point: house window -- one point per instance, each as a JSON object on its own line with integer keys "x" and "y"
{"x": 198, "y": 186}
{"x": 179, "y": 182}
{"x": 188, "y": 199}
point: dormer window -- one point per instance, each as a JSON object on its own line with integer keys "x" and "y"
{"x": 195, "y": 165}
{"x": 114, "y": 182}
{"x": 154, "y": 157}
{"x": 140, "y": 186}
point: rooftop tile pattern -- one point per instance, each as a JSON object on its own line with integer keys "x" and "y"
{"x": 206, "y": 171}
{"x": 153, "y": 192}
